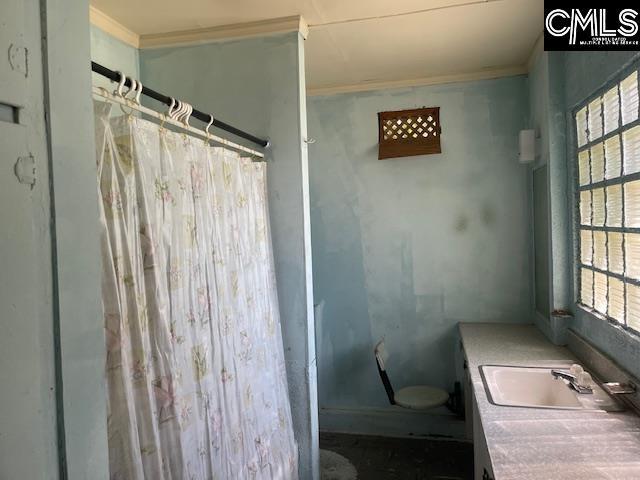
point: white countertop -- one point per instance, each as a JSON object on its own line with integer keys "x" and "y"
{"x": 546, "y": 444}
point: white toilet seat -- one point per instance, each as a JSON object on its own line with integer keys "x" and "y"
{"x": 421, "y": 397}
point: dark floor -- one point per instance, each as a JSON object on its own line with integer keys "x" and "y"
{"x": 382, "y": 458}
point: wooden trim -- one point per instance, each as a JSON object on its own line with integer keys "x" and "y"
{"x": 114, "y": 28}
{"x": 240, "y": 30}
{"x": 419, "y": 82}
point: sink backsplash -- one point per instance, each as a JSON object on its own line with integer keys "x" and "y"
{"x": 603, "y": 367}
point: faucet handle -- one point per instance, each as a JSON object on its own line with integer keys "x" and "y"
{"x": 584, "y": 379}
{"x": 576, "y": 370}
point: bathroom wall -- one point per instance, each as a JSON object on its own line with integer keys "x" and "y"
{"x": 538, "y": 120}
{"x": 538, "y": 82}
{"x": 28, "y": 420}
{"x": 406, "y": 248}
{"x": 113, "y": 54}
{"x": 79, "y": 327}
{"x": 584, "y": 73}
{"x": 53, "y": 417}
{"x": 258, "y": 85}
{"x": 558, "y": 82}
{"x": 549, "y": 184}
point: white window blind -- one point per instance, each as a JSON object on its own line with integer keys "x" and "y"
{"x": 608, "y": 177}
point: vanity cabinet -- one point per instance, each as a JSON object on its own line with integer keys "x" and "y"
{"x": 468, "y": 402}
{"x": 462, "y": 373}
{"x": 481, "y": 460}
{"x": 473, "y": 425}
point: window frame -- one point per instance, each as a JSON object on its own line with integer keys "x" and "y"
{"x": 621, "y": 180}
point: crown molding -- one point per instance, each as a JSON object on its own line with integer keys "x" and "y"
{"x": 420, "y": 82}
{"x": 536, "y": 51}
{"x": 224, "y": 32}
{"x": 114, "y": 28}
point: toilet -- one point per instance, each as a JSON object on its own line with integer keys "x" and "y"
{"x": 415, "y": 397}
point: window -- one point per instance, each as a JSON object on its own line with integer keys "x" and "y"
{"x": 409, "y": 132}
{"x": 608, "y": 171}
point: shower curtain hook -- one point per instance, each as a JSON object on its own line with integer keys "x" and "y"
{"x": 139, "y": 92}
{"x": 187, "y": 114}
{"x": 171, "y": 105}
{"x": 175, "y": 114}
{"x": 132, "y": 87}
{"x": 206, "y": 130}
{"x": 123, "y": 79}
{"x": 181, "y": 111}
{"x": 183, "y": 117}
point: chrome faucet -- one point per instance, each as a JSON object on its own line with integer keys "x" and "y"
{"x": 573, "y": 381}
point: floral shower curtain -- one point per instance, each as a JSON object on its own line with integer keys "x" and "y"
{"x": 195, "y": 366}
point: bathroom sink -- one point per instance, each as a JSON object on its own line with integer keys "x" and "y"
{"x": 535, "y": 387}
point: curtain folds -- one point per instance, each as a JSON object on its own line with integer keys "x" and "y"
{"x": 195, "y": 365}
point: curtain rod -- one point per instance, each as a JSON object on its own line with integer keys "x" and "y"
{"x": 162, "y": 119}
{"x": 204, "y": 117}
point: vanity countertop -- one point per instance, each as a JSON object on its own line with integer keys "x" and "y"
{"x": 545, "y": 444}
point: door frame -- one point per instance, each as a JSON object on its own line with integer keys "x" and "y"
{"x": 75, "y": 231}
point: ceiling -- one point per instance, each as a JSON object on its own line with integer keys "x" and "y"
{"x": 356, "y": 43}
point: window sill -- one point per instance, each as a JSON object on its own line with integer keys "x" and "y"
{"x": 619, "y": 343}
{"x": 630, "y": 333}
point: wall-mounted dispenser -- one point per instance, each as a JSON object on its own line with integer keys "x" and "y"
{"x": 527, "y": 146}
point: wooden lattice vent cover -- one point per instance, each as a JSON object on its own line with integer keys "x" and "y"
{"x": 409, "y": 132}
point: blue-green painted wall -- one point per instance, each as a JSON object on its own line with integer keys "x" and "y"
{"x": 538, "y": 82}
{"x": 585, "y": 72}
{"x": 551, "y": 250}
{"x": 407, "y": 248}
{"x": 113, "y": 54}
{"x": 53, "y": 418}
{"x": 28, "y": 422}
{"x": 76, "y": 248}
{"x": 538, "y": 121}
{"x": 258, "y": 85}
